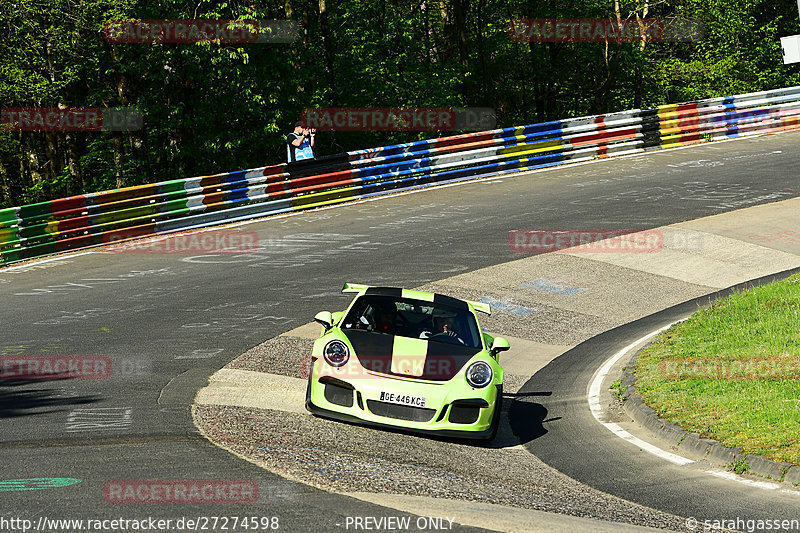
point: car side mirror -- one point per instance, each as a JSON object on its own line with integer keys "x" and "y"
{"x": 325, "y": 318}
{"x": 499, "y": 345}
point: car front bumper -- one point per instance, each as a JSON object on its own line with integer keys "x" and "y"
{"x": 452, "y": 408}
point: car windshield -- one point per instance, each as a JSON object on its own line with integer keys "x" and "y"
{"x": 406, "y": 317}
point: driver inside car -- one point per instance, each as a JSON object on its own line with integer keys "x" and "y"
{"x": 442, "y": 325}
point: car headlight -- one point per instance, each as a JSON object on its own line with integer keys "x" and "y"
{"x": 479, "y": 374}
{"x": 336, "y": 353}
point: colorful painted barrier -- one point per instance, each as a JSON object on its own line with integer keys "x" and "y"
{"x": 97, "y": 218}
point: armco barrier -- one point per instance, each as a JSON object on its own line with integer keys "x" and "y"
{"x": 97, "y": 218}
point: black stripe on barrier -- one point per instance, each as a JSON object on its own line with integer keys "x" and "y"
{"x": 651, "y": 128}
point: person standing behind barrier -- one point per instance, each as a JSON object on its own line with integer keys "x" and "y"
{"x": 300, "y": 143}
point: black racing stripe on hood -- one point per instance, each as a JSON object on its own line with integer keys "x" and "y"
{"x": 444, "y": 360}
{"x": 385, "y": 291}
{"x": 368, "y": 342}
{"x": 373, "y": 350}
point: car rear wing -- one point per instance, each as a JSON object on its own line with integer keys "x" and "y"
{"x": 482, "y": 307}
{"x": 354, "y": 287}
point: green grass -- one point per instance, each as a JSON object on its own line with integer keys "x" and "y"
{"x": 732, "y": 371}
{"x": 740, "y": 466}
{"x": 618, "y": 391}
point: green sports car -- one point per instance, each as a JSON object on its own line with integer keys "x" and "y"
{"x": 408, "y": 359}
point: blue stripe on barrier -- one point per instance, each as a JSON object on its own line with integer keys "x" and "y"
{"x": 237, "y": 195}
{"x": 235, "y": 177}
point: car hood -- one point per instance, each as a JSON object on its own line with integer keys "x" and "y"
{"x": 406, "y": 357}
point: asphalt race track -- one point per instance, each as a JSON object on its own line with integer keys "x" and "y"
{"x": 168, "y": 321}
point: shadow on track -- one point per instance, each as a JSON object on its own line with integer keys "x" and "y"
{"x": 16, "y": 400}
{"x": 522, "y": 420}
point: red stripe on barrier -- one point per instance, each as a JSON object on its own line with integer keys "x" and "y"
{"x": 71, "y": 224}
{"x": 468, "y": 146}
{"x": 628, "y": 133}
{"x": 326, "y": 187}
{"x": 113, "y": 236}
{"x": 459, "y": 139}
{"x": 274, "y": 169}
{"x": 70, "y": 205}
{"x": 601, "y": 125}
{"x": 686, "y": 107}
{"x": 344, "y": 176}
{"x": 275, "y": 186}
{"x": 210, "y": 181}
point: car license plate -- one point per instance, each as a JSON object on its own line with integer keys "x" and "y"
{"x": 402, "y": 399}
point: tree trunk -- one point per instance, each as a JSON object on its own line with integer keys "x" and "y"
{"x": 482, "y": 57}
{"x": 136, "y": 138}
{"x": 31, "y": 166}
{"x": 5, "y": 189}
{"x": 460, "y": 14}
{"x": 327, "y": 49}
{"x": 430, "y": 36}
{"x": 119, "y": 158}
{"x": 52, "y": 153}
{"x": 74, "y": 165}
{"x": 638, "y": 78}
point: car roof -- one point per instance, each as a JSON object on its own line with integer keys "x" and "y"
{"x": 433, "y": 297}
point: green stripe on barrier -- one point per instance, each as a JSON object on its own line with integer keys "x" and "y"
{"x": 172, "y": 186}
{"x": 174, "y": 207}
{"x": 35, "y": 210}
{"x": 8, "y": 217}
{"x": 124, "y": 214}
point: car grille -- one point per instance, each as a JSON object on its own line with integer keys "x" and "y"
{"x": 401, "y": 412}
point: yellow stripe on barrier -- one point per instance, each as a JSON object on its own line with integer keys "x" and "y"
{"x": 318, "y": 199}
{"x": 52, "y": 227}
{"x": 545, "y": 146}
{"x": 130, "y": 213}
{"x": 667, "y": 110}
